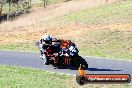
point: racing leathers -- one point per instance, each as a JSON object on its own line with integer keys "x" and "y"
{"x": 62, "y": 47}
{"x": 43, "y": 47}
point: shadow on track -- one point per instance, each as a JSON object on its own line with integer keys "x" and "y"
{"x": 99, "y": 69}
{"x": 89, "y": 69}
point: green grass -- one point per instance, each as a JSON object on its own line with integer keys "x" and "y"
{"x": 109, "y": 13}
{"x": 29, "y": 47}
{"x": 14, "y": 77}
{"x": 107, "y": 43}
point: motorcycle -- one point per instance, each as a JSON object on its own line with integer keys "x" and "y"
{"x": 57, "y": 59}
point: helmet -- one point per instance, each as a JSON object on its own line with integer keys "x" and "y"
{"x": 47, "y": 39}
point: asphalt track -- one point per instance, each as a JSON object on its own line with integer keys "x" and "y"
{"x": 96, "y": 65}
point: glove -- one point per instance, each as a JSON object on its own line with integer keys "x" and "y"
{"x": 61, "y": 53}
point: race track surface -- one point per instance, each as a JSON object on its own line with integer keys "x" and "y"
{"x": 96, "y": 65}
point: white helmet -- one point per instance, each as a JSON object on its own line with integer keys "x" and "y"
{"x": 46, "y": 37}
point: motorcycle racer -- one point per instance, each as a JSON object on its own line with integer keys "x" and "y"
{"x": 48, "y": 42}
{"x": 44, "y": 43}
{"x": 63, "y": 47}
{"x": 59, "y": 52}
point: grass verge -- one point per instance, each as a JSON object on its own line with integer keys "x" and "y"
{"x": 29, "y": 47}
{"x": 107, "y": 43}
{"x": 16, "y": 77}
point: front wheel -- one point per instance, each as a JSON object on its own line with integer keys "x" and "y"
{"x": 79, "y": 60}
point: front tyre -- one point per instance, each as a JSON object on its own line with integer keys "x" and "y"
{"x": 79, "y": 60}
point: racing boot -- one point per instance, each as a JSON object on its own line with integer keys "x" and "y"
{"x": 45, "y": 59}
